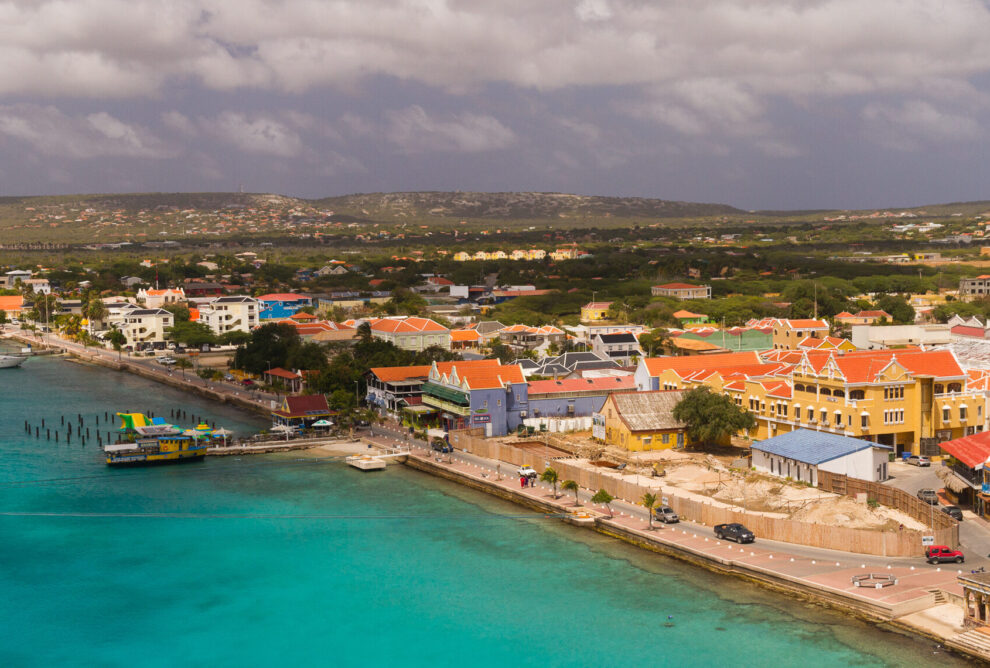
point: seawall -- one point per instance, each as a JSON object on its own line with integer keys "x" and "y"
{"x": 663, "y": 542}
{"x": 125, "y": 365}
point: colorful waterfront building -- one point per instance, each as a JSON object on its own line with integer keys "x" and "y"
{"x": 475, "y": 397}
{"x": 640, "y": 421}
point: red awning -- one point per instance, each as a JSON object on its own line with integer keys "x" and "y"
{"x": 972, "y": 451}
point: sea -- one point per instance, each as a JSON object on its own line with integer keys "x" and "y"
{"x": 296, "y": 560}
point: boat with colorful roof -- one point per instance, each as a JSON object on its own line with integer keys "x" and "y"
{"x": 147, "y": 441}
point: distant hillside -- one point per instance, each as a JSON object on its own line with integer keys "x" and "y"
{"x": 517, "y": 206}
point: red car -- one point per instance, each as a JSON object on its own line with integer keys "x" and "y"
{"x": 940, "y": 554}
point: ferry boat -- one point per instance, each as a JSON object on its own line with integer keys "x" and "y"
{"x": 154, "y": 441}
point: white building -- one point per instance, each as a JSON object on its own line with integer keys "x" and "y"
{"x": 800, "y": 454}
{"x": 879, "y": 337}
{"x": 235, "y": 313}
{"x": 145, "y": 325}
{"x": 159, "y": 298}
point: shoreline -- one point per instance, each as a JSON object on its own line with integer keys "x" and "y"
{"x": 880, "y": 614}
{"x": 884, "y": 615}
{"x": 97, "y": 357}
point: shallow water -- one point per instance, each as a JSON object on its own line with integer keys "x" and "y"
{"x": 281, "y": 560}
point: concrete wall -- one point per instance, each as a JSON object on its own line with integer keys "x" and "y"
{"x": 864, "y": 465}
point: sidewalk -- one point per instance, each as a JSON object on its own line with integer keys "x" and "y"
{"x": 828, "y": 574}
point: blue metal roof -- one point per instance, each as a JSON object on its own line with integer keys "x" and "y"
{"x": 813, "y": 447}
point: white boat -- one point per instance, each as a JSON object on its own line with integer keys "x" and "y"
{"x": 11, "y": 361}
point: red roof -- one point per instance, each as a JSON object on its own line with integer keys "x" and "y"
{"x": 407, "y": 325}
{"x": 602, "y": 384}
{"x": 972, "y": 451}
{"x": 301, "y": 406}
{"x": 966, "y": 330}
{"x": 11, "y": 303}
{"x": 395, "y": 373}
{"x": 657, "y": 365}
{"x": 806, "y": 323}
{"x": 677, "y": 286}
{"x": 279, "y": 372}
{"x": 281, "y": 297}
{"x": 481, "y": 378}
{"x": 873, "y": 314}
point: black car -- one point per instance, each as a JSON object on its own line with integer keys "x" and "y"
{"x": 955, "y": 512}
{"x": 735, "y": 531}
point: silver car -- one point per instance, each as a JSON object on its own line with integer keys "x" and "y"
{"x": 918, "y": 460}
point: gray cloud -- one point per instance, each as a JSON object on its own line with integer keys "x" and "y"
{"x": 50, "y": 132}
{"x": 415, "y": 131}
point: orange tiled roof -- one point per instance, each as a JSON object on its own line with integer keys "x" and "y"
{"x": 407, "y": 325}
{"x": 394, "y": 373}
{"x": 464, "y": 335}
{"x": 656, "y": 365}
{"x": 11, "y": 303}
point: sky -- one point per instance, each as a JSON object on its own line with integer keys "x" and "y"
{"x": 761, "y": 104}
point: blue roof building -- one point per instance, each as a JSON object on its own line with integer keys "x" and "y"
{"x": 800, "y": 454}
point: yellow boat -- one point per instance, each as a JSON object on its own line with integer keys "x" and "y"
{"x": 154, "y": 442}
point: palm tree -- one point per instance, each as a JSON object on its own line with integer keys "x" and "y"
{"x": 572, "y": 486}
{"x": 601, "y": 496}
{"x": 649, "y": 500}
{"x": 117, "y": 339}
{"x": 550, "y": 476}
{"x": 94, "y": 310}
{"x": 183, "y": 364}
{"x": 364, "y": 332}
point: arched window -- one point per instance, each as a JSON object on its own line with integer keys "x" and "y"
{"x": 798, "y": 387}
{"x": 825, "y": 392}
{"x": 955, "y": 387}
{"x": 939, "y": 388}
{"x": 857, "y": 394}
{"x": 839, "y": 393}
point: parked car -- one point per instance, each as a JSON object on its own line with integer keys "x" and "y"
{"x": 918, "y": 460}
{"x": 167, "y": 361}
{"x": 734, "y": 531}
{"x": 666, "y": 515}
{"x": 955, "y": 512}
{"x": 247, "y": 382}
{"x": 928, "y": 496}
{"x": 941, "y": 554}
{"x": 440, "y": 445}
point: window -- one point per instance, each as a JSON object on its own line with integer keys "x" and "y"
{"x": 838, "y": 419}
{"x": 484, "y": 404}
{"x": 857, "y": 394}
{"x": 811, "y": 413}
{"x": 962, "y": 412}
{"x": 665, "y": 439}
{"x": 798, "y": 387}
{"x": 954, "y": 387}
{"x": 945, "y": 414}
{"x": 825, "y": 392}
{"x": 783, "y": 410}
{"x": 939, "y": 388}
{"x": 839, "y": 393}
{"x": 864, "y": 421}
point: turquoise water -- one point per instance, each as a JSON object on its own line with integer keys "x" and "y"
{"x": 282, "y": 560}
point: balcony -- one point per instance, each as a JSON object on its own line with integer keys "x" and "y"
{"x": 447, "y": 406}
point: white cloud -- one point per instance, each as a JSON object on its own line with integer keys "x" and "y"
{"x": 415, "y": 131}
{"x": 262, "y": 134}
{"x": 51, "y": 132}
{"x": 916, "y": 123}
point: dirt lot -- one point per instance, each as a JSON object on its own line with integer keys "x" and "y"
{"x": 722, "y": 476}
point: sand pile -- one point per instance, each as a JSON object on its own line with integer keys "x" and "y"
{"x": 847, "y": 512}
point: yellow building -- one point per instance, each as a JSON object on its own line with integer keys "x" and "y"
{"x": 827, "y": 343}
{"x": 908, "y": 399}
{"x": 461, "y": 256}
{"x": 787, "y": 334}
{"x": 595, "y": 311}
{"x": 640, "y": 421}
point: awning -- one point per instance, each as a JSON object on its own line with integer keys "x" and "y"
{"x": 972, "y": 451}
{"x": 419, "y": 409}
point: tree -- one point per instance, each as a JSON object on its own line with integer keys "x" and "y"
{"x": 649, "y": 500}
{"x": 95, "y": 310}
{"x": 550, "y": 475}
{"x": 364, "y": 332}
{"x": 270, "y": 343}
{"x": 3, "y": 318}
{"x": 601, "y": 496}
{"x": 180, "y": 311}
{"x": 711, "y": 417}
{"x": 117, "y": 339}
{"x": 183, "y": 363}
{"x": 234, "y": 338}
{"x": 898, "y": 308}
{"x": 192, "y": 334}
{"x": 572, "y": 486}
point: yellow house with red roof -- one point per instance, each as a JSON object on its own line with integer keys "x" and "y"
{"x": 908, "y": 399}
{"x": 595, "y": 311}
{"x": 788, "y": 333}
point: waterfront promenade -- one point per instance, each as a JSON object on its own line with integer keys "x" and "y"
{"x": 922, "y": 599}
{"x": 226, "y": 392}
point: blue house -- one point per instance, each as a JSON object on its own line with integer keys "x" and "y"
{"x": 568, "y": 398}
{"x": 476, "y": 397}
{"x": 280, "y": 305}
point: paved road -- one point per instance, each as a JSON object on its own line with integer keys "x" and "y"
{"x": 974, "y": 533}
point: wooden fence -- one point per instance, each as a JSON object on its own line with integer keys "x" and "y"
{"x": 887, "y": 496}
{"x": 902, "y": 543}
